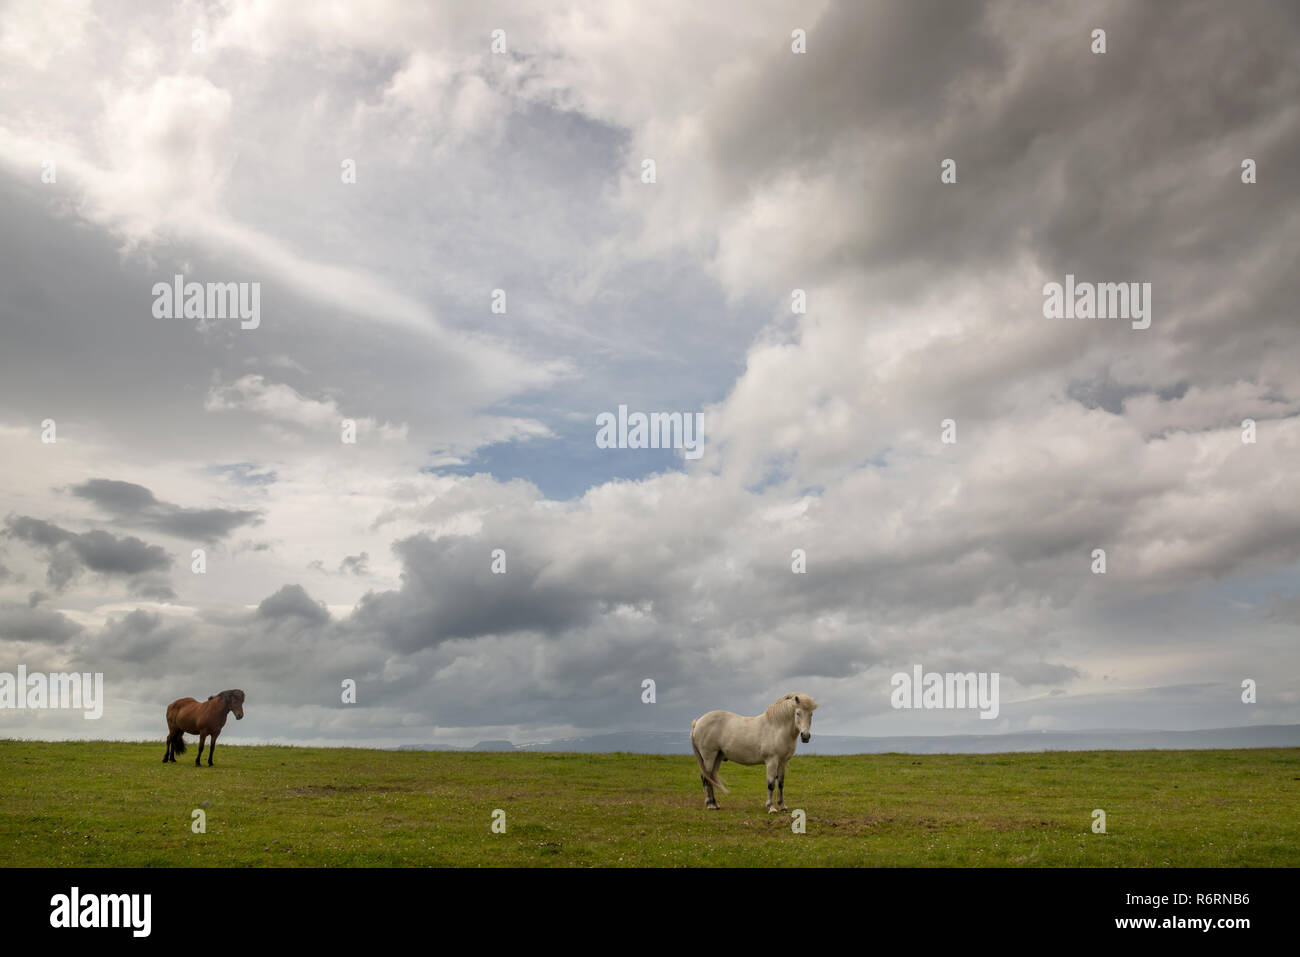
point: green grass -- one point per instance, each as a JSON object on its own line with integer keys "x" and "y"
{"x": 107, "y": 804}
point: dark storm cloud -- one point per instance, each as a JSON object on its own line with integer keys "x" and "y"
{"x": 25, "y": 623}
{"x": 1040, "y": 672}
{"x": 102, "y": 552}
{"x": 449, "y": 591}
{"x": 68, "y": 553}
{"x": 831, "y": 659}
{"x": 877, "y": 65}
{"x": 139, "y": 638}
{"x": 34, "y": 531}
{"x": 116, "y": 496}
{"x": 355, "y": 564}
{"x": 293, "y": 601}
{"x": 136, "y": 505}
{"x": 153, "y": 589}
{"x": 1110, "y": 166}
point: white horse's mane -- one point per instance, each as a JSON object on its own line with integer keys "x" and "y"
{"x": 783, "y": 707}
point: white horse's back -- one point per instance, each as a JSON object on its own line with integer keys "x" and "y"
{"x": 738, "y": 737}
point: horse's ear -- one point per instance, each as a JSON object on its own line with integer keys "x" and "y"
{"x": 797, "y": 701}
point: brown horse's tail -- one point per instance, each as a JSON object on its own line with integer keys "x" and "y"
{"x": 704, "y": 772}
{"x": 178, "y": 741}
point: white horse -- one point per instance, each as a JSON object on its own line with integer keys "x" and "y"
{"x": 768, "y": 738}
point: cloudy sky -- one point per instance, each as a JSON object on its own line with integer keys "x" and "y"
{"x": 217, "y": 141}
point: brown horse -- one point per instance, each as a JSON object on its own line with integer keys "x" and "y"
{"x": 202, "y": 718}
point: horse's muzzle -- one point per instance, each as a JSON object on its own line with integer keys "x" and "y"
{"x": 240, "y": 717}
{"x": 805, "y": 737}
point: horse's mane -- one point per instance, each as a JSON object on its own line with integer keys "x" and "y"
{"x": 783, "y": 707}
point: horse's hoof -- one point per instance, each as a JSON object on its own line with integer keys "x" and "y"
{"x": 712, "y": 807}
{"x": 771, "y": 810}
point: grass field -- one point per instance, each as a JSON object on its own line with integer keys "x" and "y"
{"x": 116, "y": 804}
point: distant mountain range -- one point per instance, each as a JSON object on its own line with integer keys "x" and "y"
{"x": 679, "y": 742}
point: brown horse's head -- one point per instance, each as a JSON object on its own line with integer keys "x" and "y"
{"x": 234, "y": 701}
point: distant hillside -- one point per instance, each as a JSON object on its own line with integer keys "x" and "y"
{"x": 679, "y": 742}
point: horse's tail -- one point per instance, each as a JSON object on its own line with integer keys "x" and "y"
{"x": 704, "y": 772}
{"x": 178, "y": 741}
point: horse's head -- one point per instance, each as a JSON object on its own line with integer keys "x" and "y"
{"x": 804, "y": 706}
{"x": 235, "y": 702}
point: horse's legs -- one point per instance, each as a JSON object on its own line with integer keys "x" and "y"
{"x": 780, "y": 786}
{"x": 773, "y": 772}
{"x": 709, "y": 801}
{"x": 167, "y": 752}
{"x": 203, "y": 736}
{"x": 712, "y": 804}
{"x": 212, "y": 747}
